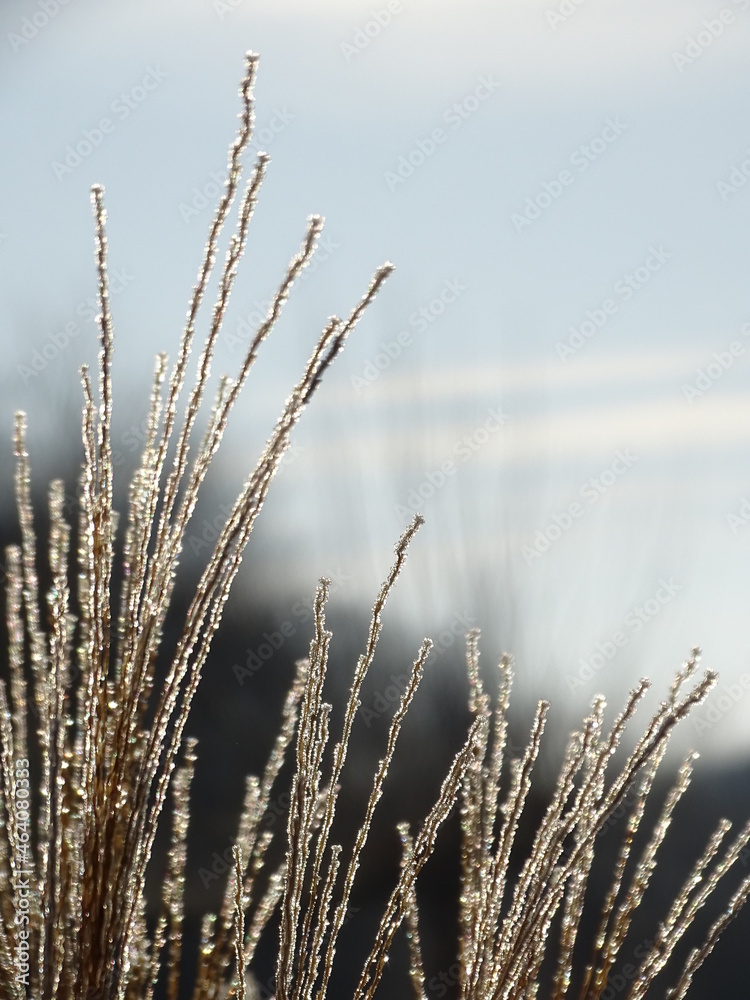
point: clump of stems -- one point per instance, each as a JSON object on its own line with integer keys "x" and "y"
{"x": 108, "y": 746}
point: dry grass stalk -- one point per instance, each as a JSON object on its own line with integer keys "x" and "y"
{"x": 506, "y": 932}
{"x": 73, "y": 867}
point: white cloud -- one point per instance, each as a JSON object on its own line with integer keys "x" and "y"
{"x": 666, "y": 424}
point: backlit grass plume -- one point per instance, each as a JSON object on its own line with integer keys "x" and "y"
{"x": 81, "y": 796}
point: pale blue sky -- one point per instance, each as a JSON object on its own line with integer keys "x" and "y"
{"x": 621, "y": 139}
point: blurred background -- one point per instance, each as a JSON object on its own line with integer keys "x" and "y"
{"x": 556, "y": 374}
